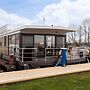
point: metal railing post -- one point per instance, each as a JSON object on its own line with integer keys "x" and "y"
{"x": 35, "y": 49}
{"x": 22, "y": 54}
{"x": 45, "y": 54}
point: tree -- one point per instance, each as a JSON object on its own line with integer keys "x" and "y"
{"x": 86, "y": 25}
{"x": 76, "y": 38}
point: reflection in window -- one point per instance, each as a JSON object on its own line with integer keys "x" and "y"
{"x": 50, "y": 41}
{"x": 27, "y": 41}
{"x": 12, "y": 44}
{"x": 39, "y": 44}
{"x": 60, "y": 42}
{"x": 17, "y": 41}
{"x": 39, "y": 41}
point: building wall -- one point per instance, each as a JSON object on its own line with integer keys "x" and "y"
{"x": 43, "y": 31}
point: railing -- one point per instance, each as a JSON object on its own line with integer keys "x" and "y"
{"x": 29, "y": 54}
{"x": 26, "y": 54}
{"x": 75, "y": 53}
{"x": 51, "y": 53}
{"x": 70, "y": 54}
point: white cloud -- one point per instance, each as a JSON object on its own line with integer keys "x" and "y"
{"x": 9, "y": 18}
{"x": 65, "y": 12}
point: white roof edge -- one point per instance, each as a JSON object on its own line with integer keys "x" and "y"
{"x": 12, "y": 28}
{"x": 19, "y": 27}
{"x": 47, "y": 27}
{"x": 40, "y": 26}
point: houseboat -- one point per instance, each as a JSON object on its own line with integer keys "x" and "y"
{"x": 35, "y": 46}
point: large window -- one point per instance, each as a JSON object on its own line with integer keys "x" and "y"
{"x": 39, "y": 41}
{"x": 17, "y": 40}
{"x": 60, "y": 42}
{"x": 27, "y": 41}
{"x": 39, "y": 44}
{"x": 50, "y": 41}
{"x": 12, "y": 44}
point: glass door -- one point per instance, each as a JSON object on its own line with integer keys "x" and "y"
{"x": 39, "y": 44}
{"x": 27, "y": 42}
{"x": 50, "y": 41}
{"x": 50, "y": 45}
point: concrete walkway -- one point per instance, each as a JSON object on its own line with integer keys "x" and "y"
{"x": 16, "y": 76}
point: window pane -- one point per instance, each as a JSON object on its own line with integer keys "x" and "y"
{"x": 17, "y": 40}
{"x": 50, "y": 41}
{"x": 27, "y": 41}
{"x": 39, "y": 41}
{"x": 12, "y": 44}
{"x": 60, "y": 42}
{"x": 7, "y": 41}
{"x": 39, "y": 44}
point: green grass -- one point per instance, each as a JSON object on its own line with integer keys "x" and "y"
{"x": 79, "y": 81}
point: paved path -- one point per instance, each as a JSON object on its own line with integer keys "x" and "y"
{"x": 16, "y": 76}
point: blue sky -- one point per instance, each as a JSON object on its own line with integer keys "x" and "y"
{"x": 26, "y": 8}
{"x": 56, "y": 12}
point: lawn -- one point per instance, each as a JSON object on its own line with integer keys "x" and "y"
{"x": 79, "y": 81}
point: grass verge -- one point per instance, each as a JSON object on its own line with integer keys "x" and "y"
{"x": 79, "y": 81}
